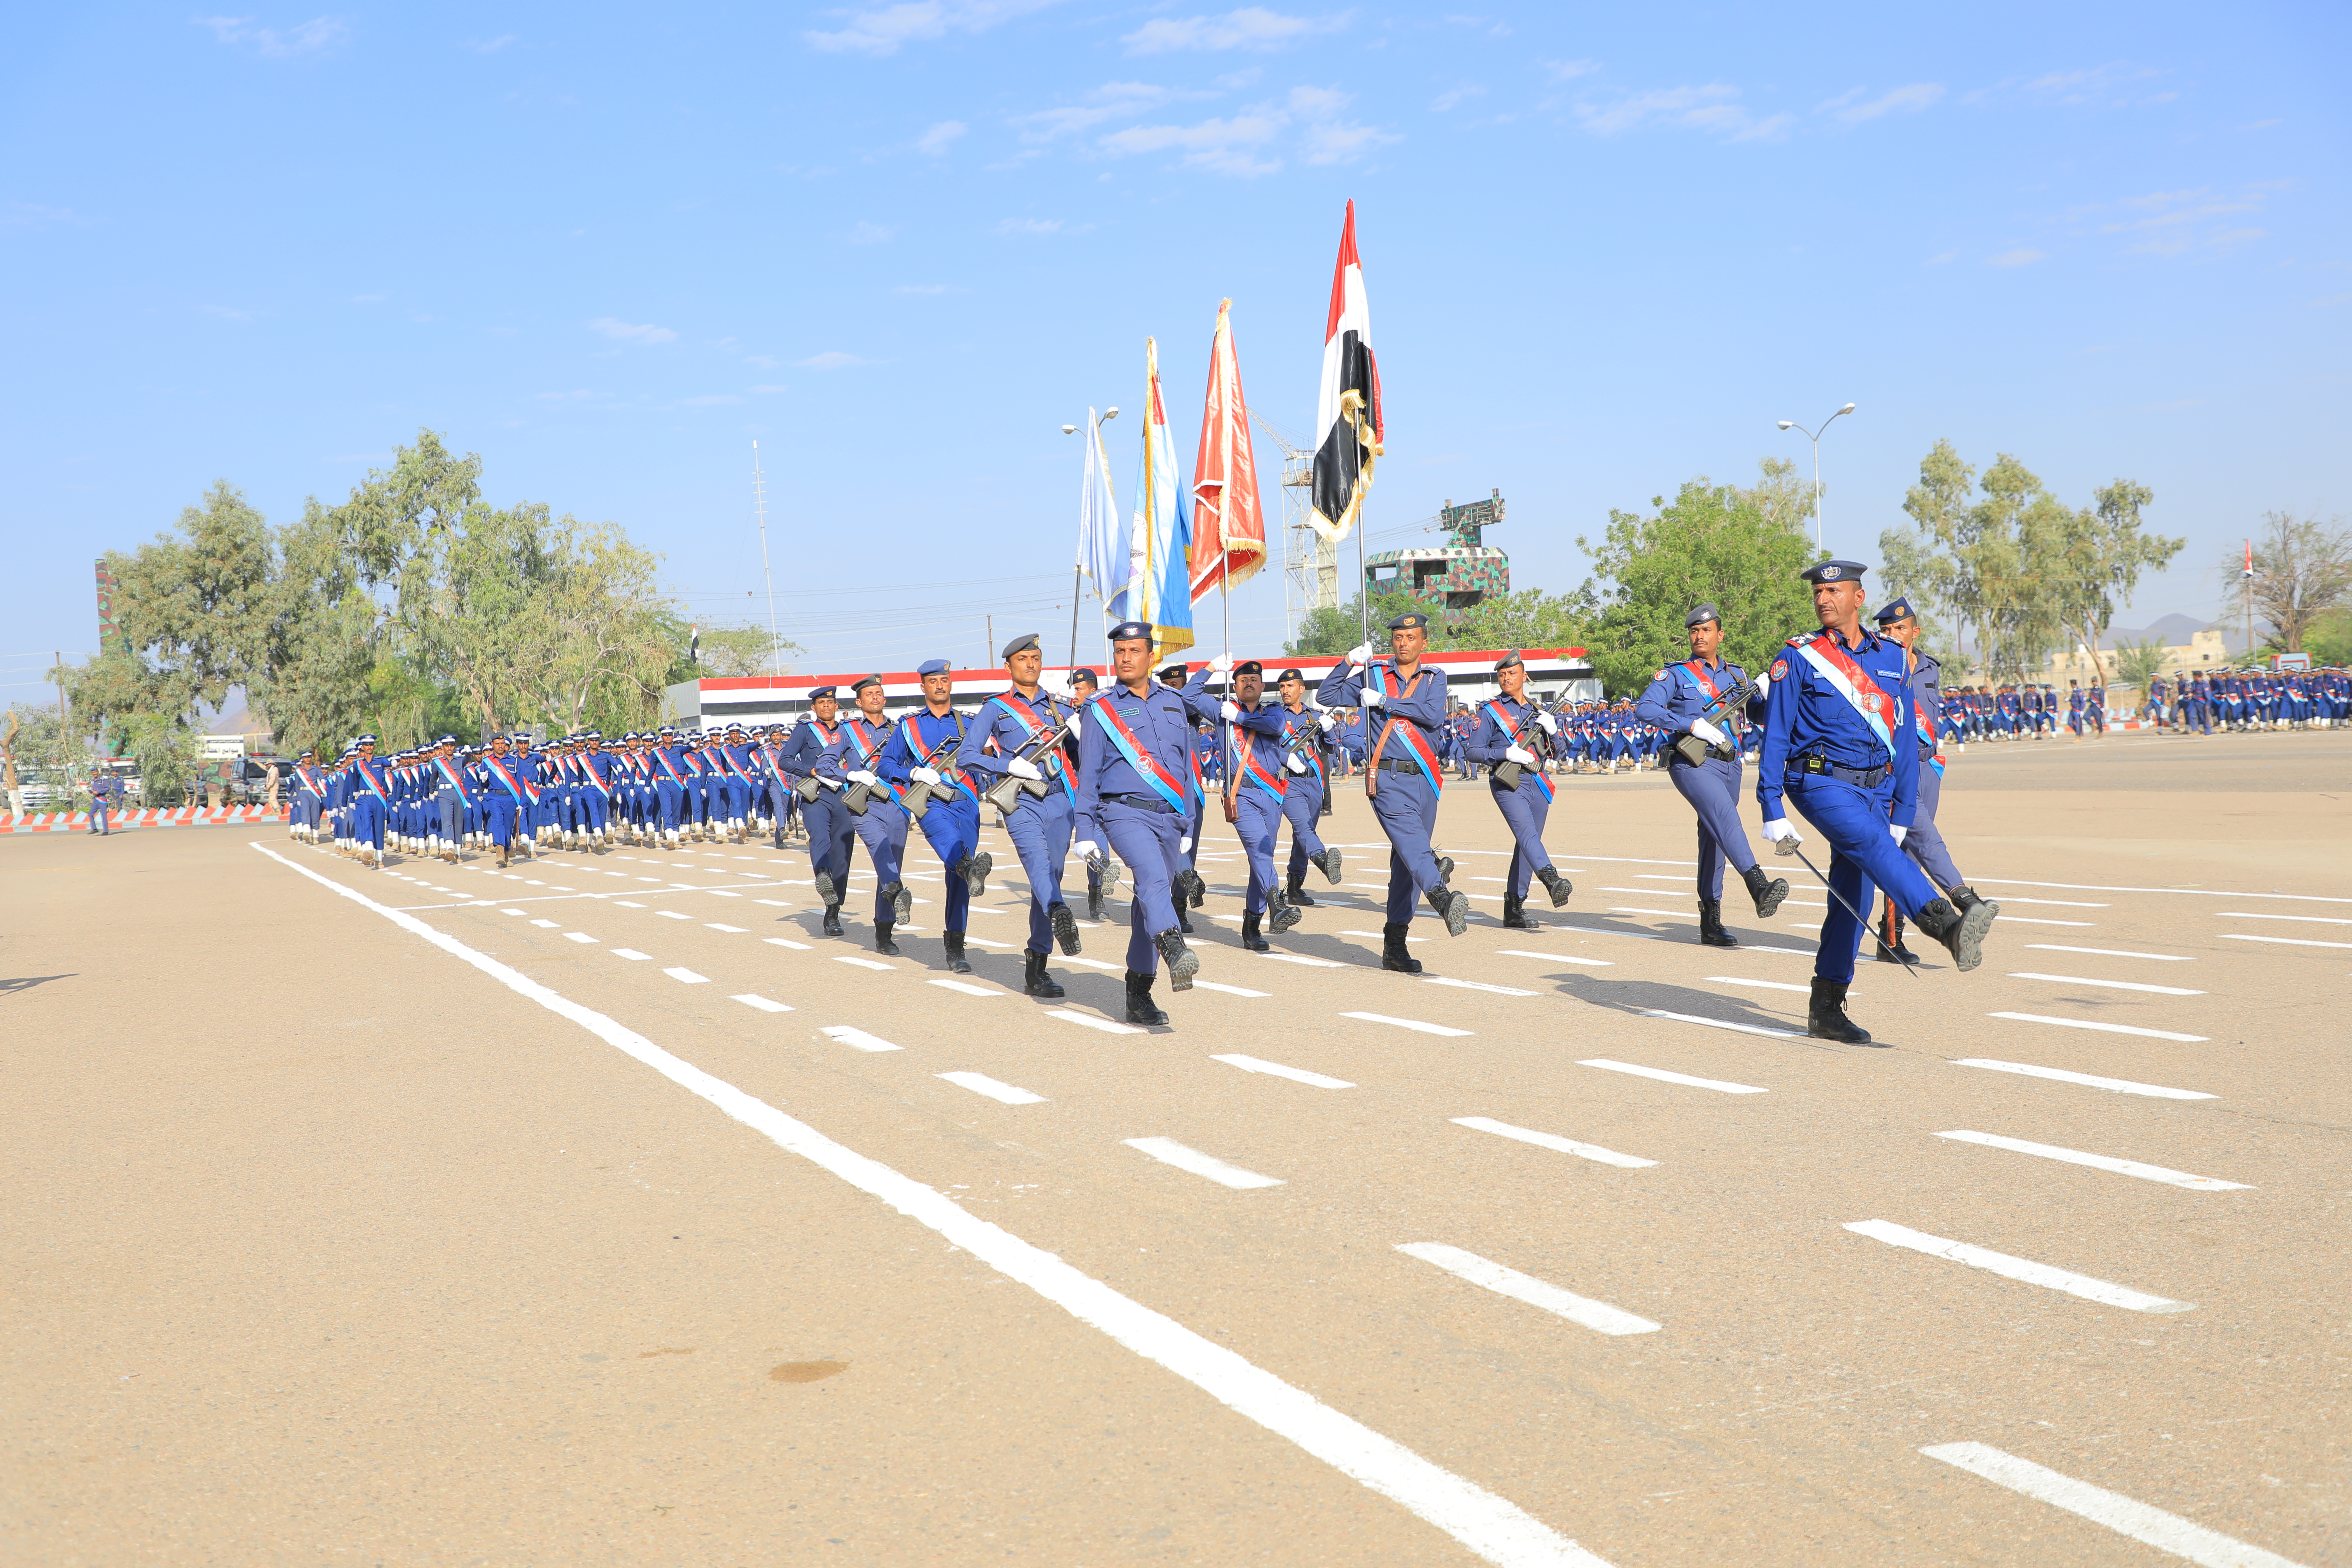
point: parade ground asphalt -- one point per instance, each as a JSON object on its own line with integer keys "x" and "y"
{"x": 604, "y": 1212}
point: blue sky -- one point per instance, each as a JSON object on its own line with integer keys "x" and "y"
{"x": 901, "y": 246}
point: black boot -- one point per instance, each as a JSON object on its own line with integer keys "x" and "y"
{"x": 1250, "y": 938}
{"x": 1035, "y": 981}
{"x": 882, "y": 942}
{"x": 1452, "y": 907}
{"x": 974, "y": 869}
{"x": 1710, "y": 925}
{"x": 1392, "y": 952}
{"x": 1295, "y": 889}
{"x": 1515, "y": 914}
{"x": 1962, "y": 935}
{"x": 957, "y": 963}
{"x": 1965, "y": 896}
{"x": 825, "y": 891}
{"x": 1191, "y": 888}
{"x": 1890, "y": 938}
{"x": 1281, "y": 914}
{"x": 1094, "y": 903}
{"x": 1559, "y": 886}
{"x": 1768, "y": 891}
{"x": 1445, "y": 867}
{"x": 1826, "y": 1017}
{"x": 902, "y": 902}
{"x": 832, "y": 919}
{"x": 1140, "y": 1009}
{"x": 1182, "y": 962}
{"x": 1065, "y": 927}
{"x": 1184, "y": 921}
{"x": 1328, "y": 862}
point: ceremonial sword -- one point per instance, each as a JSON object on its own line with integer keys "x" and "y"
{"x": 1788, "y": 847}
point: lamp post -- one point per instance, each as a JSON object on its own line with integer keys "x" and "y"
{"x": 1079, "y": 571}
{"x": 1815, "y": 436}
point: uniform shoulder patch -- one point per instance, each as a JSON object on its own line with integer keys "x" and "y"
{"x": 1780, "y": 668}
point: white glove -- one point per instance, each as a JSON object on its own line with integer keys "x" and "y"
{"x": 1782, "y": 834}
{"x": 1898, "y": 832}
{"x": 1184, "y": 846}
{"x": 1229, "y": 711}
{"x": 1221, "y": 665}
{"x": 1520, "y": 755}
{"x": 829, "y": 784}
{"x": 1708, "y": 733}
{"x": 1296, "y": 765}
{"x": 926, "y": 775}
{"x": 863, "y": 776}
{"x": 1330, "y": 721}
{"x": 1360, "y": 653}
{"x": 1087, "y": 849}
{"x": 1372, "y": 697}
{"x": 1077, "y": 723}
{"x": 1549, "y": 725}
{"x": 1022, "y": 768}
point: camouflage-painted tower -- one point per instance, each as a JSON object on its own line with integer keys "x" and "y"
{"x": 1451, "y": 578}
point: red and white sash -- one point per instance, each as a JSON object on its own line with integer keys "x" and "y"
{"x": 1836, "y": 667}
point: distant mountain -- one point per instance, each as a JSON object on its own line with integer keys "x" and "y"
{"x": 2174, "y": 630}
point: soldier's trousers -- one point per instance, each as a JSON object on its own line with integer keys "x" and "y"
{"x": 1524, "y": 810}
{"x": 1257, "y": 818}
{"x": 453, "y": 815}
{"x": 1302, "y": 798}
{"x": 829, "y": 837}
{"x": 1406, "y": 805}
{"x": 1040, "y": 831}
{"x": 882, "y": 828}
{"x": 367, "y": 820}
{"x": 953, "y": 828}
{"x": 1925, "y": 842}
{"x": 1712, "y": 790}
{"x": 1146, "y": 841}
{"x": 1854, "y": 821}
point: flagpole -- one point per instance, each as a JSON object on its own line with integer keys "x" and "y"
{"x": 1225, "y": 604}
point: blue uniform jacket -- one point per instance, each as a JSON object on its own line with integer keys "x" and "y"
{"x": 1488, "y": 742}
{"x": 998, "y": 721}
{"x": 1422, "y": 701}
{"x": 1162, "y": 727}
{"x": 1262, "y": 727}
{"x": 1675, "y": 699}
{"x": 1808, "y": 716}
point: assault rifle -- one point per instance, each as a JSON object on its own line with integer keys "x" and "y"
{"x": 1507, "y": 772}
{"x": 1694, "y": 750}
{"x": 918, "y": 795}
{"x": 1005, "y": 793}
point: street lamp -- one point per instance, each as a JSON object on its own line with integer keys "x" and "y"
{"x": 1077, "y": 573}
{"x": 1815, "y": 436}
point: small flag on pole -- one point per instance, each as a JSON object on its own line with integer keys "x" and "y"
{"x": 1348, "y": 426}
{"x": 1102, "y": 533}
{"x": 694, "y": 646}
{"x": 1228, "y": 525}
{"x": 1158, "y": 580}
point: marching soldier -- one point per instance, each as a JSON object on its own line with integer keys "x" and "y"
{"x": 1135, "y": 795}
{"x": 369, "y": 796}
{"x": 876, "y": 817}
{"x": 1406, "y": 700}
{"x": 1025, "y": 725}
{"x": 1255, "y": 789}
{"x": 1677, "y": 704}
{"x": 829, "y": 831}
{"x": 1303, "y": 732}
{"x": 450, "y": 796}
{"x": 1838, "y": 744}
{"x": 1513, "y": 731}
{"x": 1102, "y": 873}
{"x": 920, "y": 758}
{"x": 1899, "y": 624}
{"x": 1192, "y": 892}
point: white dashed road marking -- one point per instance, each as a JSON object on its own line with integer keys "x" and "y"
{"x": 1475, "y": 985}
{"x": 628, "y": 953}
{"x": 1557, "y": 957}
{"x": 2224, "y": 915}
{"x": 787, "y": 941}
{"x": 714, "y": 925}
{"x": 688, "y": 977}
{"x": 578, "y": 936}
{"x": 2152, "y": 1526}
{"x": 2119, "y": 1085}
{"x": 1598, "y": 1316}
{"x": 980, "y": 1083}
{"x": 1663, "y": 1076}
{"x": 1069, "y": 1016}
{"x": 764, "y": 1004}
{"x": 2101, "y": 1162}
{"x": 2103, "y": 1028}
{"x": 967, "y": 988}
{"x": 1413, "y": 1023}
{"x": 860, "y": 962}
{"x": 2111, "y": 953}
{"x": 857, "y": 1039}
{"x": 2110, "y": 985}
{"x": 2283, "y": 941}
{"x": 1276, "y": 1069}
{"x": 1228, "y": 990}
{"x": 1722, "y": 1023}
{"x": 1552, "y": 1140}
{"x": 2031, "y": 1273}
{"x": 1169, "y": 1151}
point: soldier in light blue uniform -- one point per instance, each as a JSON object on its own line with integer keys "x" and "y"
{"x": 1404, "y": 703}
{"x": 1136, "y": 795}
{"x": 921, "y": 756}
{"x": 1676, "y": 702}
{"x": 1838, "y": 745}
{"x": 1510, "y": 729}
{"x": 854, "y": 758}
{"x": 1018, "y": 721}
{"x": 1898, "y": 622}
{"x": 1254, "y": 748}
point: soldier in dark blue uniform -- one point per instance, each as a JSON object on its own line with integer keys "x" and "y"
{"x": 1838, "y": 745}
{"x": 1009, "y": 736}
{"x": 1102, "y": 873}
{"x": 920, "y": 760}
{"x": 1250, "y": 736}
{"x": 1510, "y": 729}
{"x": 1303, "y": 738}
{"x": 1676, "y": 703}
{"x": 855, "y": 758}
{"x": 1191, "y": 890}
{"x": 1898, "y": 623}
{"x": 829, "y": 832}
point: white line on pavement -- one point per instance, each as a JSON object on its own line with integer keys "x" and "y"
{"x": 1722, "y": 1023}
{"x": 1598, "y": 1316}
{"x": 2119, "y": 1085}
{"x": 2283, "y": 941}
{"x": 2151, "y": 1526}
{"x": 2023, "y": 920}
{"x": 1276, "y": 1069}
{"x": 2103, "y": 1028}
{"x": 1557, "y": 957}
{"x": 1169, "y": 1151}
{"x": 2110, "y": 985}
{"x": 1492, "y": 1527}
{"x": 1228, "y": 990}
{"x": 1764, "y": 985}
{"x": 714, "y": 925}
{"x": 628, "y": 953}
{"x": 1552, "y": 1140}
{"x": 2224, "y": 915}
{"x": 857, "y": 1039}
{"x": 1475, "y": 985}
{"x": 2198, "y": 892}
{"x": 860, "y": 962}
{"x": 764, "y": 1004}
{"x": 510, "y": 912}
{"x": 624, "y": 904}
{"x": 1379, "y": 936}
{"x": 773, "y": 903}
{"x": 1070, "y": 1016}
{"x": 1664, "y": 914}
{"x": 1413, "y": 1023}
{"x": 1663, "y": 1076}
{"x": 578, "y": 936}
{"x": 1310, "y": 962}
{"x": 2111, "y": 953}
{"x": 2102, "y": 1163}
{"x": 673, "y": 915}
{"x": 968, "y": 988}
{"x": 1082, "y": 963}
{"x": 2024, "y": 1270}
{"x": 980, "y": 1083}
{"x": 688, "y": 977}
{"x": 2060, "y": 903}
{"x": 547, "y": 925}
{"x": 787, "y": 941}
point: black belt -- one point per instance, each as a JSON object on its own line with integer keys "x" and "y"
{"x": 1402, "y": 766}
{"x": 1146, "y": 803}
{"x": 1714, "y": 753}
{"x": 1861, "y": 778}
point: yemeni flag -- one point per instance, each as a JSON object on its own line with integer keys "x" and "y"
{"x": 1348, "y": 411}
{"x": 1228, "y": 522}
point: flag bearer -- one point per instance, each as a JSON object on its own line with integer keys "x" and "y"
{"x": 1009, "y": 736}
{"x": 1510, "y": 729}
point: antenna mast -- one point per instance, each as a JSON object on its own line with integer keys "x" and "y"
{"x": 760, "y": 506}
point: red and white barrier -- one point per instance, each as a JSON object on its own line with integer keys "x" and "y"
{"x": 174, "y": 816}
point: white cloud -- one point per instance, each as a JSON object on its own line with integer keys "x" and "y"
{"x": 924, "y": 288}
{"x": 623, "y": 333}
{"x": 832, "y": 359}
{"x": 2169, "y": 222}
{"x": 2103, "y": 85}
{"x": 1445, "y": 100}
{"x": 1251, "y": 27}
{"x": 1568, "y": 70}
{"x": 1109, "y": 102}
{"x": 1941, "y": 258}
{"x": 708, "y": 400}
{"x": 864, "y": 233}
{"x": 1852, "y": 108}
{"x": 1242, "y": 144}
{"x": 768, "y": 389}
{"x": 1040, "y": 225}
{"x": 26, "y": 215}
{"x": 303, "y": 38}
{"x": 936, "y": 139}
{"x": 882, "y": 30}
{"x": 1714, "y": 107}
{"x": 2023, "y": 255}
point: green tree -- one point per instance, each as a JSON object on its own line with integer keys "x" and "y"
{"x": 1525, "y": 618}
{"x": 187, "y": 606}
{"x": 1328, "y": 631}
{"x": 1738, "y": 549}
{"x": 2137, "y": 663}
{"x": 42, "y": 748}
{"x": 168, "y": 754}
{"x": 748, "y": 649}
{"x": 2329, "y": 638}
{"x": 2303, "y": 569}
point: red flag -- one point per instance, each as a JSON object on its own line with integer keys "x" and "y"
{"x": 1228, "y": 523}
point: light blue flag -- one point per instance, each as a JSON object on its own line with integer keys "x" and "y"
{"x": 1102, "y": 533}
{"x": 1159, "y": 579}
